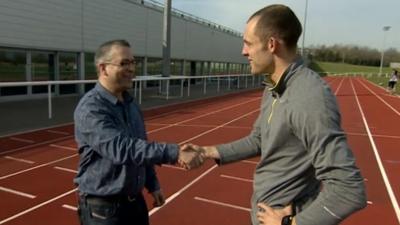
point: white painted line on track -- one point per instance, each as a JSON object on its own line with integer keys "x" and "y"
{"x": 374, "y": 135}
{"x": 237, "y": 178}
{"x": 17, "y": 192}
{"x": 37, "y": 206}
{"x": 378, "y": 158}
{"x": 172, "y": 197}
{"x": 220, "y": 126}
{"x": 39, "y": 166}
{"x": 70, "y": 207}
{"x": 65, "y": 169}
{"x": 249, "y": 161}
{"x": 58, "y": 132}
{"x": 64, "y": 147}
{"x": 380, "y": 98}
{"x": 35, "y": 145}
{"x": 172, "y": 167}
{"x": 22, "y": 140}
{"x": 39, "y": 129}
{"x": 393, "y": 161}
{"x": 340, "y": 85}
{"x": 370, "y": 202}
{"x": 199, "y": 125}
{"x": 203, "y": 115}
{"x": 176, "y": 194}
{"x": 19, "y": 160}
{"x": 222, "y": 204}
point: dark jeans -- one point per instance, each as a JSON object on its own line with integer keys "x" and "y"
{"x": 112, "y": 211}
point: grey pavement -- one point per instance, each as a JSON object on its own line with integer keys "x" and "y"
{"x": 30, "y": 114}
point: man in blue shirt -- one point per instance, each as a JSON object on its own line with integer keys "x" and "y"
{"x": 116, "y": 160}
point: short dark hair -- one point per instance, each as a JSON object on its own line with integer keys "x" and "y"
{"x": 103, "y": 52}
{"x": 278, "y": 20}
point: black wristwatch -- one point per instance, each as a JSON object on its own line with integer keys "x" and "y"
{"x": 287, "y": 220}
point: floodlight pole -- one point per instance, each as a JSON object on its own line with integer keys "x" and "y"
{"x": 166, "y": 43}
{"x": 385, "y": 28}
{"x": 304, "y": 29}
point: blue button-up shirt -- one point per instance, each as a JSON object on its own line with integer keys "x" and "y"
{"x": 115, "y": 156}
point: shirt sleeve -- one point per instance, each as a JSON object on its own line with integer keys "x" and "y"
{"x": 101, "y": 133}
{"x": 317, "y": 124}
{"x": 244, "y": 148}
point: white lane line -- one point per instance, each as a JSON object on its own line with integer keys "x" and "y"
{"x": 172, "y": 167}
{"x": 39, "y": 129}
{"x": 222, "y": 204}
{"x": 37, "y": 206}
{"x": 73, "y": 208}
{"x": 57, "y": 132}
{"x": 176, "y": 194}
{"x": 36, "y": 144}
{"x": 17, "y": 192}
{"x": 340, "y": 85}
{"x": 19, "y": 160}
{"x": 393, "y": 161}
{"x": 249, "y": 161}
{"x": 198, "y": 125}
{"x": 39, "y": 166}
{"x": 379, "y": 97}
{"x": 220, "y": 126}
{"x": 64, "y": 147}
{"x": 172, "y": 197}
{"x": 22, "y": 140}
{"x": 378, "y": 159}
{"x": 65, "y": 169}
{"x": 236, "y": 178}
{"x": 204, "y": 115}
{"x": 374, "y": 135}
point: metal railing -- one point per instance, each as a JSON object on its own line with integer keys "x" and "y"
{"x": 160, "y": 7}
{"x": 139, "y": 84}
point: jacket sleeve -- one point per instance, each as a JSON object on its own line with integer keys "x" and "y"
{"x": 152, "y": 184}
{"x": 101, "y": 133}
{"x": 316, "y": 123}
{"x": 244, "y": 148}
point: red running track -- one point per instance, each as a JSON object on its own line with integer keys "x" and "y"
{"x": 37, "y": 168}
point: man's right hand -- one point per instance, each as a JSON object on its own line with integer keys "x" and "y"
{"x": 189, "y": 160}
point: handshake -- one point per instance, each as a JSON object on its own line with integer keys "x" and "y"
{"x": 192, "y": 156}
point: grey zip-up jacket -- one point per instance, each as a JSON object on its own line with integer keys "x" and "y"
{"x": 305, "y": 159}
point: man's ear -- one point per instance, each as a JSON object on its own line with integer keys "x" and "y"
{"x": 272, "y": 44}
{"x": 101, "y": 68}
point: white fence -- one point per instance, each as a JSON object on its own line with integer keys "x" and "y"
{"x": 140, "y": 80}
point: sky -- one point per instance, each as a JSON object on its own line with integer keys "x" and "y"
{"x": 354, "y": 22}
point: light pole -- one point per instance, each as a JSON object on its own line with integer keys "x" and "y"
{"x": 385, "y": 28}
{"x": 304, "y": 29}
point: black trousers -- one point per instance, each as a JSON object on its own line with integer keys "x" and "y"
{"x": 113, "y": 210}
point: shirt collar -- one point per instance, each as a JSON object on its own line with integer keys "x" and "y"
{"x": 280, "y": 86}
{"x": 109, "y": 97}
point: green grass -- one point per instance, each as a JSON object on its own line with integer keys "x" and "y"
{"x": 329, "y": 67}
{"x": 369, "y": 72}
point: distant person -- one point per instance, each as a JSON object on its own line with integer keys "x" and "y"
{"x": 393, "y": 81}
{"x": 307, "y": 174}
{"x": 116, "y": 159}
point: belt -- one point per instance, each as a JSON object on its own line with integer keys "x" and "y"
{"x": 108, "y": 198}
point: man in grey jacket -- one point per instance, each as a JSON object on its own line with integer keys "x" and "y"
{"x": 307, "y": 173}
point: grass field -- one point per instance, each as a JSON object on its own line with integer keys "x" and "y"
{"x": 370, "y": 72}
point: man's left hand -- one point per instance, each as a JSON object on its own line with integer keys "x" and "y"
{"x": 158, "y": 197}
{"x": 269, "y": 216}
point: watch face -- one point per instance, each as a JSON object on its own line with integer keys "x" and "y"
{"x": 287, "y": 220}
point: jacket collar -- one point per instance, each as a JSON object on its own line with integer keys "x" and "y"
{"x": 280, "y": 86}
{"x": 109, "y": 97}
